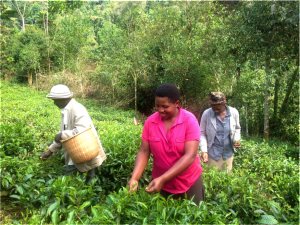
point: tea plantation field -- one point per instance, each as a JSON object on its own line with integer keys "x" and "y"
{"x": 263, "y": 186}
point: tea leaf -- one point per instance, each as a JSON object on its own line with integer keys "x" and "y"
{"x": 70, "y": 217}
{"x": 52, "y": 207}
{"x": 54, "y": 217}
{"x": 95, "y": 212}
{"x": 85, "y": 204}
{"x": 20, "y": 190}
{"x": 28, "y": 177}
{"x": 259, "y": 211}
{"x": 267, "y": 219}
{"x": 15, "y": 196}
{"x": 142, "y": 204}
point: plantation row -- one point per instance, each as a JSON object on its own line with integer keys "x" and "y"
{"x": 263, "y": 186}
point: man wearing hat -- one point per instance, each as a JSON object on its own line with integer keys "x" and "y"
{"x": 74, "y": 119}
{"x": 220, "y": 132}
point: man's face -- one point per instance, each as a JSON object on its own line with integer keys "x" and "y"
{"x": 218, "y": 108}
{"x": 61, "y": 103}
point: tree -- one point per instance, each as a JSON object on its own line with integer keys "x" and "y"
{"x": 27, "y": 51}
{"x": 269, "y": 31}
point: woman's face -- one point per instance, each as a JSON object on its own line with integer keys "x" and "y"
{"x": 218, "y": 108}
{"x": 165, "y": 108}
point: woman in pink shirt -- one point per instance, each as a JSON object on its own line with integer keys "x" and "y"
{"x": 172, "y": 135}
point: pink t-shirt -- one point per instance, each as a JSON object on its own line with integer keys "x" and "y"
{"x": 168, "y": 149}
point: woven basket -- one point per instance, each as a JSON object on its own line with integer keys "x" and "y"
{"x": 82, "y": 147}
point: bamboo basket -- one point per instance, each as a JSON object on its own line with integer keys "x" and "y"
{"x": 82, "y": 147}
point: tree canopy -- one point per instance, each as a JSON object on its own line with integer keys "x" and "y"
{"x": 119, "y": 52}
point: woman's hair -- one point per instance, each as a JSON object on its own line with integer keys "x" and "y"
{"x": 168, "y": 90}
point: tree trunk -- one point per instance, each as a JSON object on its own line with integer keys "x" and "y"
{"x": 21, "y": 15}
{"x": 49, "y": 55}
{"x": 36, "y": 81}
{"x": 29, "y": 78}
{"x": 289, "y": 90}
{"x": 64, "y": 62}
{"x": 267, "y": 101}
{"x": 276, "y": 98}
{"x": 23, "y": 24}
{"x": 247, "y": 133}
{"x": 44, "y": 20}
{"x": 47, "y": 16}
{"x": 135, "y": 97}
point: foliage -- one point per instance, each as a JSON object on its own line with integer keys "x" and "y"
{"x": 118, "y": 52}
{"x": 16, "y": 139}
{"x": 263, "y": 186}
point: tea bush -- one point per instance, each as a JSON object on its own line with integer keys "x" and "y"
{"x": 121, "y": 143}
{"x": 263, "y": 186}
{"x": 16, "y": 138}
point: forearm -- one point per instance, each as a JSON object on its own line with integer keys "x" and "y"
{"x": 55, "y": 147}
{"x": 203, "y": 143}
{"x": 179, "y": 167}
{"x": 203, "y": 138}
{"x": 141, "y": 162}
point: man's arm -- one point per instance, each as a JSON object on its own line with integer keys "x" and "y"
{"x": 81, "y": 123}
{"x": 54, "y": 147}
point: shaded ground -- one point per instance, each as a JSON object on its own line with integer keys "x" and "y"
{"x": 10, "y": 211}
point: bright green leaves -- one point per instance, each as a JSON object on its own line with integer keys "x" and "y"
{"x": 267, "y": 219}
{"x": 20, "y": 190}
{"x": 54, "y": 217}
{"x": 52, "y": 207}
{"x": 85, "y": 204}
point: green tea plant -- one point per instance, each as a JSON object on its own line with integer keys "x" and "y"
{"x": 121, "y": 144}
{"x": 263, "y": 186}
{"x": 16, "y": 138}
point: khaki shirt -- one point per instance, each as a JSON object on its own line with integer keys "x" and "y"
{"x": 78, "y": 120}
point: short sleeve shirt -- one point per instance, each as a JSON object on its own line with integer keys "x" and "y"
{"x": 167, "y": 149}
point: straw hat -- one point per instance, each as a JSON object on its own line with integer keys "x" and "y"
{"x": 60, "y": 91}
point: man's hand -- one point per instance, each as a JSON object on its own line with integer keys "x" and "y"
{"x": 133, "y": 185}
{"x": 155, "y": 186}
{"x": 46, "y": 155}
{"x": 237, "y": 144}
{"x": 57, "y": 138}
{"x": 204, "y": 157}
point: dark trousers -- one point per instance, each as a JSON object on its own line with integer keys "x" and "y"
{"x": 197, "y": 190}
{"x": 72, "y": 170}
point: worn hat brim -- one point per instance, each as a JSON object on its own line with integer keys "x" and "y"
{"x": 60, "y": 95}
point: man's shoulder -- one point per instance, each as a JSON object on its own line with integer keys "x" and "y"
{"x": 78, "y": 107}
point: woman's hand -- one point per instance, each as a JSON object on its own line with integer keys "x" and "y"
{"x": 155, "y": 186}
{"x": 133, "y": 185}
{"x": 45, "y": 155}
{"x": 204, "y": 157}
{"x": 237, "y": 144}
{"x": 139, "y": 165}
